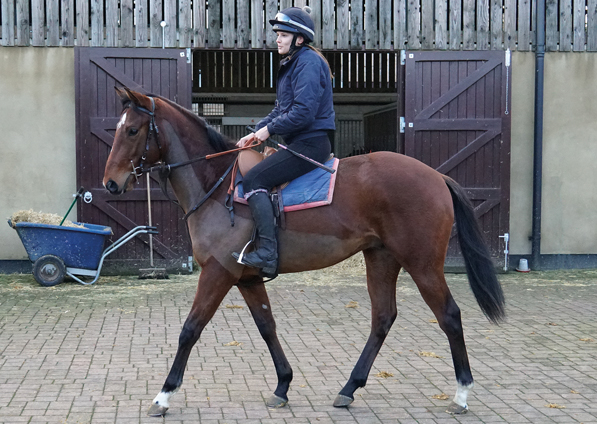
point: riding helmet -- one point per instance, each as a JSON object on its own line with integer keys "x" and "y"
{"x": 295, "y": 20}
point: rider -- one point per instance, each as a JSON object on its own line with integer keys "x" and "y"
{"x": 303, "y": 115}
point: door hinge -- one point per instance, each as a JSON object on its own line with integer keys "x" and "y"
{"x": 402, "y": 124}
{"x": 188, "y": 55}
{"x": 507, "y": 60}
{"x": 402, "y": 57}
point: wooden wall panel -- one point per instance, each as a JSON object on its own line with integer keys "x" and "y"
{"x": 571, "y": 25}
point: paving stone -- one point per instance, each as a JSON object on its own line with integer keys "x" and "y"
{"x": 99, "y": 354}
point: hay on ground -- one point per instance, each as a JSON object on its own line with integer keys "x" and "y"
{"x": 441, "y": 396}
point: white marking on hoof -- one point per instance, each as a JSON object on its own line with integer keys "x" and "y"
{"x": 156, "y": 410}
{"x": 163, "y": 399}
{"x": 456, "y": 409}
{"x": 460, "y": 398}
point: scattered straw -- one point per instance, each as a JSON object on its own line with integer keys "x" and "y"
{"x": 233, "y": 343}
{"x": 555, "y": 406}
{"x": 586, "y": 339}
{"x": 433, "y": 321}
{"x": 384, "y": 374}
{"x": 41, "y": 218}
{"x": 442, "y": 396}
{"x": 352, "y": 304}
{"x": 234, "y": 306}
{"x": 429, "y": 354}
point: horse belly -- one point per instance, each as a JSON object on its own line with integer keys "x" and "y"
{"x": 307, "y": 251}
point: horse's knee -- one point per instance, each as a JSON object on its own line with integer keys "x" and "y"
{"x": 189, "y": 334}
{"x": 383, "y": 324}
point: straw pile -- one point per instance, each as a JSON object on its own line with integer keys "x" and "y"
{"x": 40, "y": 218}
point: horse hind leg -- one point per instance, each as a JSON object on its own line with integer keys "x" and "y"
{"x": 432, "y": 286}
{"x": 382, "y": 273}
{"x": 258, "y": 302}
{"x": 214, "y": 283}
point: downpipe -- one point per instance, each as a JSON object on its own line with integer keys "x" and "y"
{"x": 538, "y": 137}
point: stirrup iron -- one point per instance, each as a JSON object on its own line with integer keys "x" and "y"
{"x": 242, "y": 252}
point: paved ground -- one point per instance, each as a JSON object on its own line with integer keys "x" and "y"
{"x": 99, "y": 354}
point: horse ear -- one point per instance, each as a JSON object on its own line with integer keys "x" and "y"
{"x": 134, "y": 96}
{"x": 123, "y": 93}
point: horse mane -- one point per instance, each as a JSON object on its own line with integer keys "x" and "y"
{"x": 217, "y": 140}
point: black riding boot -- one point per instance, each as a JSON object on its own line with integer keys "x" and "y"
{"x": 266, "y": 256}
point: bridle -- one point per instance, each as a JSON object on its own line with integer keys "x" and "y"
{"x": 153, "y": 128}
{"x": 165, "y": 168}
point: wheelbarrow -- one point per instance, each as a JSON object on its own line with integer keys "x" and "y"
{"x": 57, "y": 251}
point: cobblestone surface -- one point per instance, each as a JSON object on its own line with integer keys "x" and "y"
{"x": 99, "y": 354}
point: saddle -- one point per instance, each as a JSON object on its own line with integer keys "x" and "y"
{"x": 311, "y": 190}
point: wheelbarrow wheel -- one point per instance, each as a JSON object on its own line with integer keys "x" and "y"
{"x": 49, "y": 270}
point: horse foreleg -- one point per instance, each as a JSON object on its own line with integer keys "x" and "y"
{"x": 437, "y": 295}
{"x": 258, "y": 302}
{"x": 382, "y": 273}
{"x": 214, "y": 283}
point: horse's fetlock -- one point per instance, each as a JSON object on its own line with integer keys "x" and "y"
{"x": 360, "y": 382}
{"x": 172, "y": 386}
{"x": 286, "y": 377}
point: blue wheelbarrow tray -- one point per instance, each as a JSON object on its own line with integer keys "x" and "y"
{"x": 80, "y": 248}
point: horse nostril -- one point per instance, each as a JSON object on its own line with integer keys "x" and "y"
{"x": 112, "y": 187}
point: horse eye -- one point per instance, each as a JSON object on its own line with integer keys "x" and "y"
{"x": 133, "y": 132}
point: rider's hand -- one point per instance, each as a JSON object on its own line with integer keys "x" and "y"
{"x": 262, "y": 134}
{"x": 247, "y": 139}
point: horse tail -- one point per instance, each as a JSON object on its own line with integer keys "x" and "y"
{"x": 479, "y": 266}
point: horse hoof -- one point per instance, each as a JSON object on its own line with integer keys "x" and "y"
{"x": 276, "y": 402}
{"x": 456, "y": 409}
{"x": 156, "y": 410}
{"x": 342, "y": 401}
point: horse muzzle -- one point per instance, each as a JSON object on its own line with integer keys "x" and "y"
{"x": 112, "y": 187}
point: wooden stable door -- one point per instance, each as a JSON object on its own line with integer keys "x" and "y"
{"x": 166, "y": 72}
{"x": 457, "y": 120}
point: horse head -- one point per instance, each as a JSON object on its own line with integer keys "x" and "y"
{"x": 136, "y": 144}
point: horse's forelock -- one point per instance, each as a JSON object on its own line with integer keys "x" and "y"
{"x": 126, "y": 104}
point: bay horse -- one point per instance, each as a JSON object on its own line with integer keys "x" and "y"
{"x": 396, "y": 210}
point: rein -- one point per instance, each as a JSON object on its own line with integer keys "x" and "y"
{"x": 165, "y": 169}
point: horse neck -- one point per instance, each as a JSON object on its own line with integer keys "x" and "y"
{"x": 191, "y": 182}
